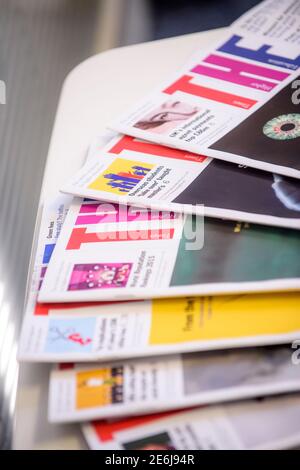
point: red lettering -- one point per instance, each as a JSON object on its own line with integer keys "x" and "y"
{"x": 183, "y": 84}
{"x": 129, "y": 143}
{"x": 80, "y": 236}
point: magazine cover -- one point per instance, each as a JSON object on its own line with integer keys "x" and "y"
{"x": 232, "y": 426}
{"x": 140, "y": 386}
{"x": 139, "y": 254}
{"x": 100, "y": 434}
{"x": 249, "y": 80}
{"x": 61, "y": 332}
{"x": 181, "y": 181}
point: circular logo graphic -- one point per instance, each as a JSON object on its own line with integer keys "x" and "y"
{"x": 284, "y": 127}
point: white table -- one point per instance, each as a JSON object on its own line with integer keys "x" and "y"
{"x": 92, "y": 96}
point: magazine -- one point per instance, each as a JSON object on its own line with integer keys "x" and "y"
{"x": 140, "y": 386}
{"x": 62, "y": 332}
{"x": 182, "y": 181}
{"x": 238, "y": 100}
{"x": 110, "y": 252}
{"x": 232, "y": 426}
{"x": 100, "y": 434}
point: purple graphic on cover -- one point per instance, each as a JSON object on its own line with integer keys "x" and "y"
{"x": 42, "y": 275}
{"x": 99, "y": 212}
{"x": 99, "y": 276}
{"x": 236, "y": 71}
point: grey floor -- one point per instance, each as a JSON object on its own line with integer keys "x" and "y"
{"x": 40, "y": 42}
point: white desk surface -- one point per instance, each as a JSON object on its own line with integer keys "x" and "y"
{"x": 92, "y": 96}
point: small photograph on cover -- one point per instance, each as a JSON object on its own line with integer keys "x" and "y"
{"x": 252, "y": 253}
{"x": 236, "y": 187}
{"x": 161, "y": 441}
{"x": 271, "y": 134}
{"x": 167, "y": 116}
{"x": 102, "y": 387}
{"x": 201, "y": 371}
{"x": 99, "y": 276}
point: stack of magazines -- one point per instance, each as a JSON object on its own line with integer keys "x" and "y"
{"x": 165, "y": 285}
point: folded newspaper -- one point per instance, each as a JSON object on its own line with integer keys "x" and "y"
{"x": 64, "y": 332}
{"x": 273, "y": 423}
{"x": 135, "y": 172}
{"x": 111, "y": 252}
{"x": 238, "y": 100}
{"x": 140, "y": 386}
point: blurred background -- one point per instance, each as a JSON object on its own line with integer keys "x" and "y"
{"x": 40, "y": 42}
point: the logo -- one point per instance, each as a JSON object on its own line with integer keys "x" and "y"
{"x": 284, "y": 127}
{"x": 99, "y": 276}
{"x": 121, "y": 176}
{"x": 74, "y": 335}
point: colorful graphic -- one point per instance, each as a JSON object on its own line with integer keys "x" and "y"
{"x": 99, "y": 276}
{"x": 99, "y": 387}
{"x": 121, "y": 176}
{"x": 284, "y": 127}
{"x": 74, "y": 335}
